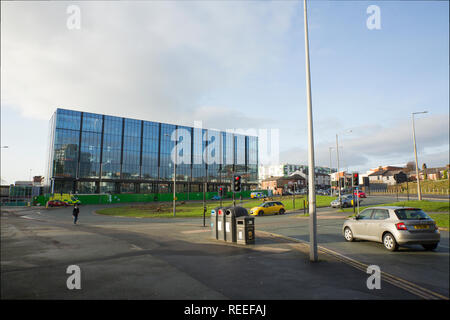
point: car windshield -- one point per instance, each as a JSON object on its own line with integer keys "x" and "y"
{"x": 411, "y": 214}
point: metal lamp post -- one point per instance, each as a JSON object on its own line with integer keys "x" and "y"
{"x": 311, "y": 176}
{"x": 174, "y": 176}
{"x": 329, "y": 149}
{"x": 339, "y": 178}
{"x": 419, "y": 193}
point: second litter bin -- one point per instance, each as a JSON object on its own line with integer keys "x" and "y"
{"x": 214, "y": 220}
{"x": 231, "y": 214}
{"x": 221, "y": 224}
{"x": 245, "y": 230}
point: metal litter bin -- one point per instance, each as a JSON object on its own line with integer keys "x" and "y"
{"x": 221, "y": 224}
{"x": 230, "y": 222}
{"x": 245, "y": 229}
{"x": 214, "y": 220}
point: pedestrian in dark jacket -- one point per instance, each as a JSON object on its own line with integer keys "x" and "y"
{"x": 75, "y": 213}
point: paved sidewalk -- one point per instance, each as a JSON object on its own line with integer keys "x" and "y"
{"x": 178, "y": 260}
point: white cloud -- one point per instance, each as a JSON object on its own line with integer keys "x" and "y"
{"x": 150, "y": 60}
{"x": 371, "y": 146}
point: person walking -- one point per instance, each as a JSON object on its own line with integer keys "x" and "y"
{"x": 75, "y": 213}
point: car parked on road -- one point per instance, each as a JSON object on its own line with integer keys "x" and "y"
{"x": 58, "y": 203}
{"x": 347, "y": 201}
{"x": 257, "y": 195}
{"x": 269, "y": 207}
{"x": 360, "y": 194}
{"x": 393, "y": 226}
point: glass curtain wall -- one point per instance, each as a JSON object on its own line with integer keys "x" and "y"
{"x": 112, "y": 144}
{"x": 252, "y": 165}
{"x": 150, "y": 147}
{"x": 239, "y": 154}
{"x": 228, "y": 156}
{"x": 214, "y": 155}
{"x": 184, "y": 152}
{"x": 198, "y": 165}
{"x": 166, "y": 163}
{"x": 66, "y": 145}
{"x": 131, "y": 150}
{"x": 113, "y": 154}
{"x": 91, "y": 137}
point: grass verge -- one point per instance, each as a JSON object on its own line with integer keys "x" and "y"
{"x": 425, "y": 205}
{"x": 195, "y": 209}
{"x": 442, "y": 219}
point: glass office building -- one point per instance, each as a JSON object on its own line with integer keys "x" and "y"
{"x": 93, "y": 153}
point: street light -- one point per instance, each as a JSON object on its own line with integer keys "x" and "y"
{"x": 311, "y": 175}
{"x": 337, "y": 153}
{"x": 329, "y": 149}
{"x": 174, "y": 176}
{"x": 419, "y": 194}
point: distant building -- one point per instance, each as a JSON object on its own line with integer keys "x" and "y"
{"x": 279, "y": 185}
{"x": 23, "y": 183}
{"x": 285, "y": 170}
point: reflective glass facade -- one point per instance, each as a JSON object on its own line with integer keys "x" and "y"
{"x": 93, "y": 153}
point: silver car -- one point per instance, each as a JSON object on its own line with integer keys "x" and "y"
{"x": 393, "y": 226}
{"x": 346, "y": 200}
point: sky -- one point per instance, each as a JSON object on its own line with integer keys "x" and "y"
{"x": 232, "y": 64}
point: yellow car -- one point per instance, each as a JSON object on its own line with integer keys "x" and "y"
{"x": 269, "y": 207}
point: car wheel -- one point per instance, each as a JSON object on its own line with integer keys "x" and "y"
{"x": 261, "y": 213}
{"x": 348, "y": 234}
{"x": 281, "y": 211}
{"x": 430, "y": 247}
{"x": 389, "y": 242}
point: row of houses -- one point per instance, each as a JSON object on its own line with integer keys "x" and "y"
{"x": 294, "y": 182}
{"x": 280, "y": 179}
{"x": 386, "y": 174}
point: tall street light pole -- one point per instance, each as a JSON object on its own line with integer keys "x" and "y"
{"x": 419, "y": 193}
{"x": 338, "y": 175}
{"x": 311, "y": 175}
{"x": 174, "y": 175}
{"x": 329, "y": 149}
{"x": 337, "y": 156}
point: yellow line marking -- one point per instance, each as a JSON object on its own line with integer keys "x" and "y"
{"x": 196, "y": 231}
{"x": 394, "y": 280}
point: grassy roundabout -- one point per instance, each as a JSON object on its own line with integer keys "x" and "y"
{"x": 195, "y": 209}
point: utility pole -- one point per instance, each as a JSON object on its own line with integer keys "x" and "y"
{"x": 338, "y": 176}
{"x": 419, "y": 193}
{"x": 311, "y": 176}
{"x": 175, "y": 179}
{"x": 331, "y": 190}
{"x": 174, "y": 172}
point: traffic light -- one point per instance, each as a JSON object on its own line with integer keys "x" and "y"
{"x": 220, "y": 192}
{"x": 355, "y": 179}
{"x": 236, "y": 183}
